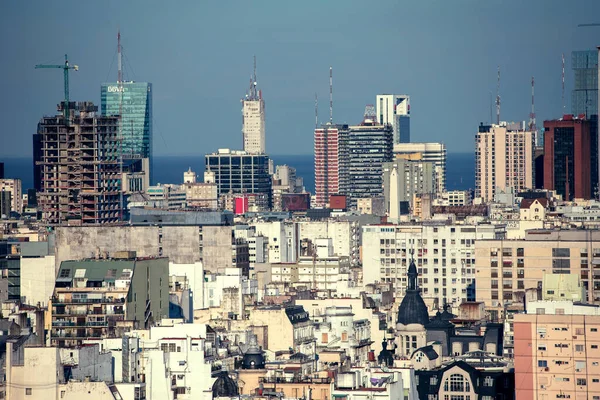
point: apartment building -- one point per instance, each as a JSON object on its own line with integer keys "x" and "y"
{"x": 505, "y": 269}
{"x": 503, "y": 159}
{"x": 557, "y": 356}
{"x": 101, "y": 298}
{"x": 444, "y": 255}
{"x": 13, "y": 186}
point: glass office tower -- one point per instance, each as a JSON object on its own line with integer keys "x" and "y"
{"x": 133, "y": 100}
{"x": 584, "y": 98}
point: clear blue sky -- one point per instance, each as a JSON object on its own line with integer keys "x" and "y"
{"x": 198, "y": 55}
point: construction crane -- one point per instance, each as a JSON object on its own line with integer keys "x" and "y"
{"x": 66, "y": 67}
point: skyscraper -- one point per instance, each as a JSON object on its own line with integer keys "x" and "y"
{"x": 79, "y": 167}
{"x": 253, "y": 118}
{"x": 584, "y": 97}
{"x": 327, "y": 168}
{"x": 363, "y": 150}
{"x": 503, "y": 159}
{"x": 237, "y": 172}
{"x": 571, "y": 157}
{"x": 133, "y": 102}
{"x": 394, "y": 109}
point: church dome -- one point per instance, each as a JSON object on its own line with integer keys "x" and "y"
{"x": 253, "y": 357}
{"x": 224, "y": 386}
{"x": 412, "y": 309}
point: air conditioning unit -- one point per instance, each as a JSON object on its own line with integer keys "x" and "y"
{"x": 542, "y": 386}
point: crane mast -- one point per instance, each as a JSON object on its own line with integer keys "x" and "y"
{"x": 66, "y": 67}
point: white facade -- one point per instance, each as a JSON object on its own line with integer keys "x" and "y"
{"x": 253, "y": 125}
{"x": 342, "y": 233}
{"x": 434, "y": 152}
{"x": 38, "y": 276}
{"x": 189, "y": 276}
{"x": 16, "y": 193}
{"x": 172, "y": 359}
{"x": 189, "y": 176}
{"x": 394, "y": 109}
{"x": 233, "y": 278}
{"x": 444, "y": 255}
{"x": 339, "y": 329}
{"x": 282, "y": 240}
{"x": 453, "y": 198}
{"x": 167, "y": 196}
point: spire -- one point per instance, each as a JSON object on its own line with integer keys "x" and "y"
{"x": 412, "y": 276}
{"x": 119, "y": 60}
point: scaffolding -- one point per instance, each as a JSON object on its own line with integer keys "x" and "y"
{"x": 80, "y": 167}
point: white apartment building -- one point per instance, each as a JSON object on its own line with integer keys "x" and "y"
{"x": 345, "y": 235}
{"x": 167, "y": 196}
{"x": 282, "y": 240}
{"x": 434, "y": 152}
{"x": 321, "y": 273}
{"x": 340, "y": 329}
{"x": 444, "y": 255}
{"x": 503, "y": 160}
{"x": 171, "y": 361}
{"x": 13, "y": 186}
{"x": 233, "y": 278}
{"x": 453, "y": 198}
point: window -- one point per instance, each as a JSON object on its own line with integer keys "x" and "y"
{"x": 579, "y": 366}
{"x": 594, "y": 346}
{"x": 457, "y": 383}
{"x": 579, "y": 331}
{"x": 561, "y": 252}
{"x": 542, "y": 363}
{"x": 488, "y": 381}
{"x": 594, "y": 330}
{"x": 541, "y": 347}
{"x": 579, "y": 347}
{"x": 28, "y": 391}
{"x": 581, "y": 381}
{"x": 433, "y": 381}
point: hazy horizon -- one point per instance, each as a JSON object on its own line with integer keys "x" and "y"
{"x": 198, "y": 57}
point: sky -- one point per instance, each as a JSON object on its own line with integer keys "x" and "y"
{"x": 198, "y": 56}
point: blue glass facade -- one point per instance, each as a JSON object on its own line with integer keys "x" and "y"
{"x": 134, "y": 100}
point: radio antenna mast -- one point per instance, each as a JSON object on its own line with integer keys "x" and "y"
{"x": 331, "y": 95}
{"x": 498, "y": 99}
{"x": 316, "y": 111}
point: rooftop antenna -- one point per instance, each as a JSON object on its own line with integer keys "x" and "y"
{"x": 563, "y": 83}
{"x": 331, "y": 95}
{"x": 498, "y": 99}
{"x": 532, "y": 127}
{"x": 119, "y": 59}
{"x": 491, "y": 108}
{"x": 316, "y": 111}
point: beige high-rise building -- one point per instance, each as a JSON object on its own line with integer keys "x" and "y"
{"x": 557, "y": 356}
{"x": 503, "y": 159}
{"x": 253, "y": 118}
{"x": 506, "y": 269}
{"x": 14, "y": 187}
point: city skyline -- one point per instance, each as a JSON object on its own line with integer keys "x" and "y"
{"x": 460, "y": 42}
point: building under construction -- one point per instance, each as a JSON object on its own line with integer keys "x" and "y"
{"x": 79, "y": 165}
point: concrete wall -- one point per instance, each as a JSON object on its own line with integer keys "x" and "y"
{"x": 38, "y": 370}
{"x": 37, "y": 279}
{"x": 180, "y": 243}
{"x": 216, "y": 248}
{"x": 85, "y": 390}
{"x": 75, "y": 243}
